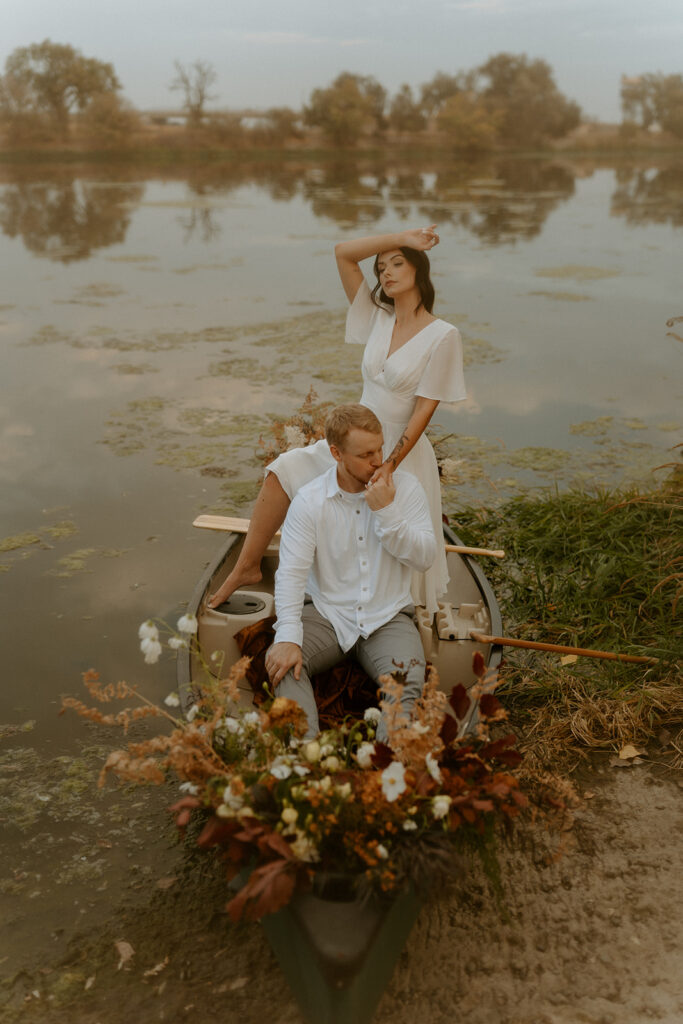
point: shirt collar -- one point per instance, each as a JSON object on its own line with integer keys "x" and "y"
{"x": 332, "y": 488}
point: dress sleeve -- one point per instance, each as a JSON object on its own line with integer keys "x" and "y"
{"x": 361, "y": 317}
{"x": 443, "y": 378}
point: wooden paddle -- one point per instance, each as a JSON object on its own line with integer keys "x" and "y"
{"x": 583, "y": 652}
{"x": 233, "y": 524}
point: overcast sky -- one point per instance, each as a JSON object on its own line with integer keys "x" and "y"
{"x": 274, "y": 53}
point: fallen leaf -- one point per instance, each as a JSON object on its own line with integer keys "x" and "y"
{"x": 569, "y": 659}
{"x": 90, "y": 982}
{"x": 125, "y": 951}
{"x": 588, "y": 795}
{"x": 629, "y": 751}
{"x": 238, "y": 983}
{"x": 153, "y": 971}
{"x": 616, "y": 762}
{"x": 104, "y": 844}
{"x": 166, "y": 883}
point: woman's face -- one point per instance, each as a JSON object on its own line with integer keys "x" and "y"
{"x": 396, "y": 274}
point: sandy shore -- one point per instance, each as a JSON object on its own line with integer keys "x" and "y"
{"x": 588, "y": 932}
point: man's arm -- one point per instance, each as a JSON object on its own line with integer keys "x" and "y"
{"x": 402, "y": 520}
{"x": 297, "y": 551}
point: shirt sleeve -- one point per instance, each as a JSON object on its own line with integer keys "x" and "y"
{"x": 405, "y": 526}
{"x": 443, "y": 378}
{"x": 361, "y": 317}
{"x": 297, "y": 551}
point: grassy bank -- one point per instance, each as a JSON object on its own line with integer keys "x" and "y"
{"x": 153, "y": 152}
{"x": 600, "y": 570}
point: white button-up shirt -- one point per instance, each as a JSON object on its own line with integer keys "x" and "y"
{"x": 356, "y": 564}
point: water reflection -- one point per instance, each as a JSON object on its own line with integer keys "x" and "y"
{"x": 346, "y": 195}
{"x": 502, "y": 202}
{"x": 649, "y": 195}
{"x": 66, "y": 220}
{"x": 498, "y": 201}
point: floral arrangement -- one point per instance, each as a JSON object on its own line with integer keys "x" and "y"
{"x": 306, "y": 426}
{"x": 284, "y": 812}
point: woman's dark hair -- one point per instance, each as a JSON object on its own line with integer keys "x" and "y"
{"x": 420, "y": 261}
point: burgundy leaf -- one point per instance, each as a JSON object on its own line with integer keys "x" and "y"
{"x": 489, "y": 705}
{"x": 459, "y": 701}
{"x": 478, "y": 664}
{"x": 383, "y": 755}
{"x": 215, "y": 832}
{"x": 449, "y": 730}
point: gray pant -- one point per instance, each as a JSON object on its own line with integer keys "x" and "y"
{"x": 394, "y": 646}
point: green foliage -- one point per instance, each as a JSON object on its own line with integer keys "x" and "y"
{"x": 45, "y": 81}
{"x": 110, "y": 119}
{"x": 594, "y": 570}
{"x": 434, "y": 94}
{"x": 653, "y": 99}
{"x": 405, "y": 113}
{"x": 523, "y": 96}
{"x": 469, "y": 123}
{"x": 352, "y": 106}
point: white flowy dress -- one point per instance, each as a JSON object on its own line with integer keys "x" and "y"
{"x": 430, "y": 365}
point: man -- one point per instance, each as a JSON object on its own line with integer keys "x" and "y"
{"x": 351, "y": 546}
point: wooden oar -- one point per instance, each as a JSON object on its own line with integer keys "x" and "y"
{"x": 233, "y": 524}
{"x": 583, "y": 652}
{"x": 460, "y": 549}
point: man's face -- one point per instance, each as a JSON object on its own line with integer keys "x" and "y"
{"x": 360, "y": 457}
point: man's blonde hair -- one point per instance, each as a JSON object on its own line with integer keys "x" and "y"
{"x": 344, "y": 418}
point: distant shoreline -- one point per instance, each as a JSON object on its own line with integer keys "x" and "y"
{"x": 178, "y": 153}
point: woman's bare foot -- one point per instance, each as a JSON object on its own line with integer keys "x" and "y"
{"x": 239, "y": 577}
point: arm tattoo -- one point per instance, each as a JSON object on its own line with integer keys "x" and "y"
{"x": 400, "y": 445}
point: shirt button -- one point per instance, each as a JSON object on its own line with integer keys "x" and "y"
{"x": 360, "y": 538}
{"x": 357, "y": 511}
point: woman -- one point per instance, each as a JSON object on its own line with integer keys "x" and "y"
{"x": 411, "y": 362}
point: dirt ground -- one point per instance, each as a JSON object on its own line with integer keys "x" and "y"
{"x": 588, "y": 932}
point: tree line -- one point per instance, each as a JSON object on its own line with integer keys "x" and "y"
{"x": 510, "y": 101}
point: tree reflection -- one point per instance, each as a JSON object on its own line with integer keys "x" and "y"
{"x": 649, "y": 195}
{"x": 404, "y": 190}
{"x": 345, "y": 194}
{"x": 67, "y": 220}
{"x": 499, "y": 202}
{"x": 280, "y": 183}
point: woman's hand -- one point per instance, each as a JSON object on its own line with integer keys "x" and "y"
{"x": 421, "y": 238}
{"x": 384, "y": 473}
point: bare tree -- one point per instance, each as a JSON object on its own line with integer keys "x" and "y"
{"x": 194, "y": 81}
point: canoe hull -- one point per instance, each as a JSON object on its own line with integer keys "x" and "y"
{"x": 469, "y": 604}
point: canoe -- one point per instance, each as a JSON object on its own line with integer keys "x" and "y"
{"x": 469, "y": 605}
{"x": 337, "y": 953}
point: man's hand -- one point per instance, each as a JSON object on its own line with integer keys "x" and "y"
{"x": 280, "y": 658}
{"x": 380, "y": 493}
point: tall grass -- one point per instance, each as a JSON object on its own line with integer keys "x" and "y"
{"x": 601, "y": 570}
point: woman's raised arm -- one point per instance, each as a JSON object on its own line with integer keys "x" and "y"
{"x": 350, "y": 253}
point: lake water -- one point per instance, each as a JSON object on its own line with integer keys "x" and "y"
{"x": 151, "y": 328}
